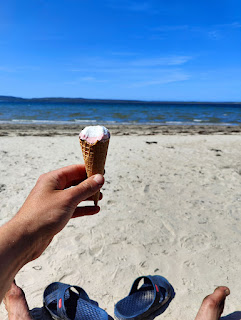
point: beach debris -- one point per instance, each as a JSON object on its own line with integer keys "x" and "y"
{"x": 2, "y": 187}
{"x": 151, "y": 142}
{"x": 146, "y": 189}
{"x": 37, "y": 268}
{"x": 94, "y": 142}
{"x": 216, "y": 150}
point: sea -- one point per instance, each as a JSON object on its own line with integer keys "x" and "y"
{"x": 135, "y": 113}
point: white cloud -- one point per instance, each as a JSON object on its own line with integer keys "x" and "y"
{"x": 215, "y": 35}
{"x": 7, "y": 69}
{"x": 214, "y": 32}
{"x": 135, "y": 73}
{"x": 136, "y": 6}
{"x": 168, "y": 78}
{"x": 233, "y": 25}
{"x": 90, "y": 79}
{"x": 163, "y": 61}
{"x": 236, "y": 25}
{"x": 128, "y": 66}
{"x": 122, "y": 53}
{"x": 139, "y": 6}
{"x": 18, "y": 68}
{"x": 171, "y": 28}
{"x": 87, "y": 79}
{"x": 220, "y": 31}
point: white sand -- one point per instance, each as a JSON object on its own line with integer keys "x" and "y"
{"x": 171, "y": 208}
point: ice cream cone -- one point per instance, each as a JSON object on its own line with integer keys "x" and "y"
{"x": 94, "y": 157}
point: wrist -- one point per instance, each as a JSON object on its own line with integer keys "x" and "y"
{"x": 15, "y": 252}
{"x": 33, "y": 237}
{"x": 17, "y": 243}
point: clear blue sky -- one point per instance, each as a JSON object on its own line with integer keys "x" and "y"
{"x": 121, "y": 49}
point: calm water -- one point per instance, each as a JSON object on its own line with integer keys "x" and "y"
{"x": 133, "y": 113}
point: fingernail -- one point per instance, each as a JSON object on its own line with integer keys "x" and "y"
{"x": 227, "y": 292}
{"x": 99, "y": 179}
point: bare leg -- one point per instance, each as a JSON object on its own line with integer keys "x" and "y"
{"x": 16, "y": 304}
{"x": 212, "y": 306}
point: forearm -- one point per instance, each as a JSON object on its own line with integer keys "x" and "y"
{"x": 45, "y": 212}
{"x": 15, "y": 250}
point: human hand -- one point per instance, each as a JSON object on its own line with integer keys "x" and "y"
{"x": 52, "y": 203}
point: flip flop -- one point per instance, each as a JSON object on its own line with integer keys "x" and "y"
{"x": 146, "y": 302}
{"x": 66, "y": 302}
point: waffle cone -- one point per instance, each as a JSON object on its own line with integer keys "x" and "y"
{"x": 94, "y": 157}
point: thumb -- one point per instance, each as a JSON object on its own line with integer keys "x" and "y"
{"x": 86, "y": 188}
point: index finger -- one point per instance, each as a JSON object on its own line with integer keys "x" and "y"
{"x": 69, "y": 176}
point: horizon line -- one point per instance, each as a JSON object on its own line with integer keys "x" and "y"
{"x": 113, "y": 100}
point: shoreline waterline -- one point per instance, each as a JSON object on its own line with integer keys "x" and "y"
{"x": 33, "y": 129}
{"x": 196, "y": 122}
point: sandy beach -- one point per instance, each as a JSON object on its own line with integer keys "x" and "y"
{"x": 47, "y": 130}
{"x": 171, "y": 207}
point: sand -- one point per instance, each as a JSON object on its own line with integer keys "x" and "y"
{"x": 171, "y": 207}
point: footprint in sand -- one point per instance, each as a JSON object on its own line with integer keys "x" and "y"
{"x": 95, "y": 250}
{"x": 189, "y": 264}
{"x": 195, "y": 242}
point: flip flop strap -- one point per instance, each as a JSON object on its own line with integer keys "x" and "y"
{"x": 52, "y": 296}
{"x": 162, "y": 283}
{"x": 61, "y": 310}
{"x": 148, "y": 279}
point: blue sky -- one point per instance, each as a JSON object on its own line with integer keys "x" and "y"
{"x": 118, "y": 49}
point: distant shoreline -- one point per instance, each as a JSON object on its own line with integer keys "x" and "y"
{"x": 120, "y": 101}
